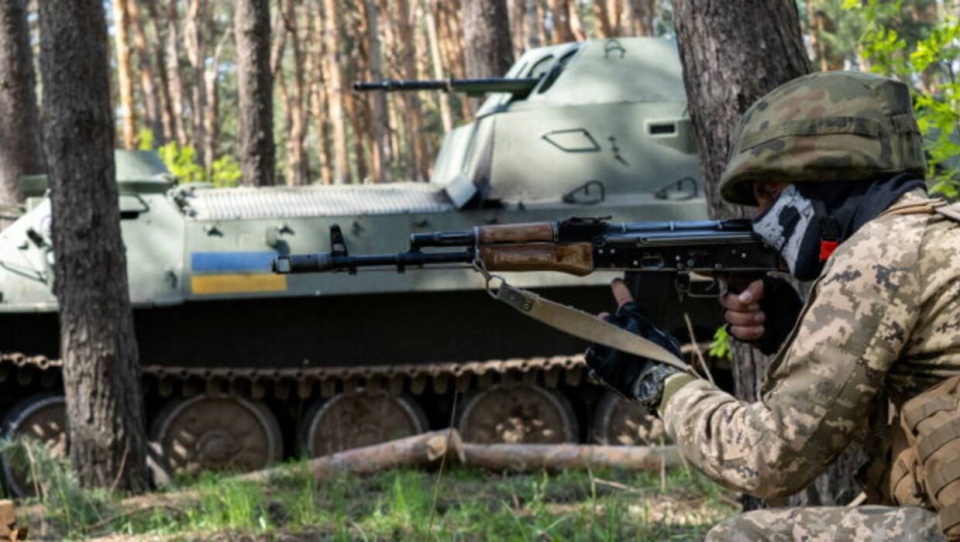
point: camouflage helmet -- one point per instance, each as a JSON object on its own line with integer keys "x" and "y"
{"x": 829, "y": 126}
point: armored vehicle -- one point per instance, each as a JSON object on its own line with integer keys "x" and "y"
{"x": 243, "y": 367}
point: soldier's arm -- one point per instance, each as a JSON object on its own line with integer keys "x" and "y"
{"x": 821, "y": 388}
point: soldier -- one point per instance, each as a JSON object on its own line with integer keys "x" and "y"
{"x": 834, "y": 164}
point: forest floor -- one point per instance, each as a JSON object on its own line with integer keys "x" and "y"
{"x": 458, "y": 503}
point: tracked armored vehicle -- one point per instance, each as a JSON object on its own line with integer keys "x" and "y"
{"x": 243, "y": 367}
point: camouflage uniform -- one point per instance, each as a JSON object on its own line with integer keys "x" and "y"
{"x": 884, "y": 316}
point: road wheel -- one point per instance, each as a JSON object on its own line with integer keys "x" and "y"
{"x": 42, "y": 417}
{"x": 517, "y": 413}
{"x": 356, "y": 419}
{"x": 617, "y": 421}
{"x": 206, "y": 433}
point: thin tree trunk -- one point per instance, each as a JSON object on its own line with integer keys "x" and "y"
{"x": 121, "y": 18}
{"x": 601, "y": 18}
{"x": 443, "y": 98}
{"x": 151, "y": 98}
{"x": 97, "y": 340}
{"x": 195, "y": 42}
{"x": 380, "y": 154}
{"x": 293, "y": 99}
{"x": 490, "y": 53}
{"x": 517, "y": 17}
{"x": 211, "y": 115}
{"x": 562, "y": 33}
{"x": 413, "y": 113}
{"x": 173, "y": 73}
{"x": 331, "y": 34}
{"x": 532, "y": 16}
{"x": 20, "y": 150}
{"x": 160, "y": 59}
{"x": 576, "y": 22}
{"x": 319, "y": 103}
{"x": 256, "y": 149}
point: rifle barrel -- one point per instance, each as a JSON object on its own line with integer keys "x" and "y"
{"x": 467, "y": 86}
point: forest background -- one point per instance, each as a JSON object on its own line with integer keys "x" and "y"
{"x": 175, "y": 71}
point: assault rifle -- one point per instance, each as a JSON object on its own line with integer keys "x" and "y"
{"x": 577, "y": 246}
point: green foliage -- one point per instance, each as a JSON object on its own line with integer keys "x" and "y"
{"x": 145, "y": 139}
{"x": 229, "y": 504}
{"x": 182, "y": 163}
{"x": 71, "y": 511}
{"x": 926, "y": 58}
{"x": 720, "y": 346}
{"x": 226, "y": 172}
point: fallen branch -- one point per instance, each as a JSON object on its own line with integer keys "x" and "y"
{"x": 416, "y": 451}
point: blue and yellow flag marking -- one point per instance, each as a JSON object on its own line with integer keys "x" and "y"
{"x": 234, "y": 273}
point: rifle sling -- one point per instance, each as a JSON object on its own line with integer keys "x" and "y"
{"x": 584, "y": 325}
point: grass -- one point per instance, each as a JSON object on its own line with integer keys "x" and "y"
{"x": 460, "y": 504}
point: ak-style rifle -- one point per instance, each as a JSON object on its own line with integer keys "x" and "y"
{"x": 577, "y": 246}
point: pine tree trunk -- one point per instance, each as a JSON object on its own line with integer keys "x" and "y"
{"x": 211, "y": 115}
{"x": 560, "y": 9}
{"x": 601, "y": 19}
{"x": 724, "y": 73}
{"x": 151, "y": 98}
{"x": 412, "y": 105}
{"x": 490, "y": 53}
{"x": 334, "y": 88}
{"x": 164, "y": 91}
{"x": 173, "y": 72}
{"x": 320, "y": 97}
{"x": 376, "y": 103}
{"x": 20, "y": 151}
{"x": 97, "y": 341}
{"x": 195, "y": 42}
{"x": 255, "y": 89}
{"x": 121, "y": 22}
{"x": 443, "y": 99}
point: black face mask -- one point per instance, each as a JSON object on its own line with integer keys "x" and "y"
{"x": 791, "y": 226}
{"x": 809, "y": 220}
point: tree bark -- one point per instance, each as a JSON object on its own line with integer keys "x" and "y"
{"x": 151, "y": 97}
{"x": 20, "y": 150}
{"x": 121, "y": 22}
{"x": 173, "y": 72}
{"x": 97, "y": 341}
{"x": 724, "y": 72}
{"x": 490, "y": 53}
{"x": 334, "y": 88}
{"x": 254, "y": 85}
{"x": 443, "y": 98}
{"x": 296, "y": 143}
{"x": 195, "y": 45}
{"x": 412, "y": 106}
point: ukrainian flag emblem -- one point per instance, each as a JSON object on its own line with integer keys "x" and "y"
{"x": 234, "y": 273}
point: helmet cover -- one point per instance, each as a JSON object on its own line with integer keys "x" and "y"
{"x": 822, "y": 127}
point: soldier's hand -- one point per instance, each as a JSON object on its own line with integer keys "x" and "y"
{"x": 743, "y": 314}
{"x": 632, "y": 376}
{"x": 763, "y": 313}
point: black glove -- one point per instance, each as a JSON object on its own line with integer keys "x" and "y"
{"x": 632, "y": 376}
{"x": 782, "y": 304}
